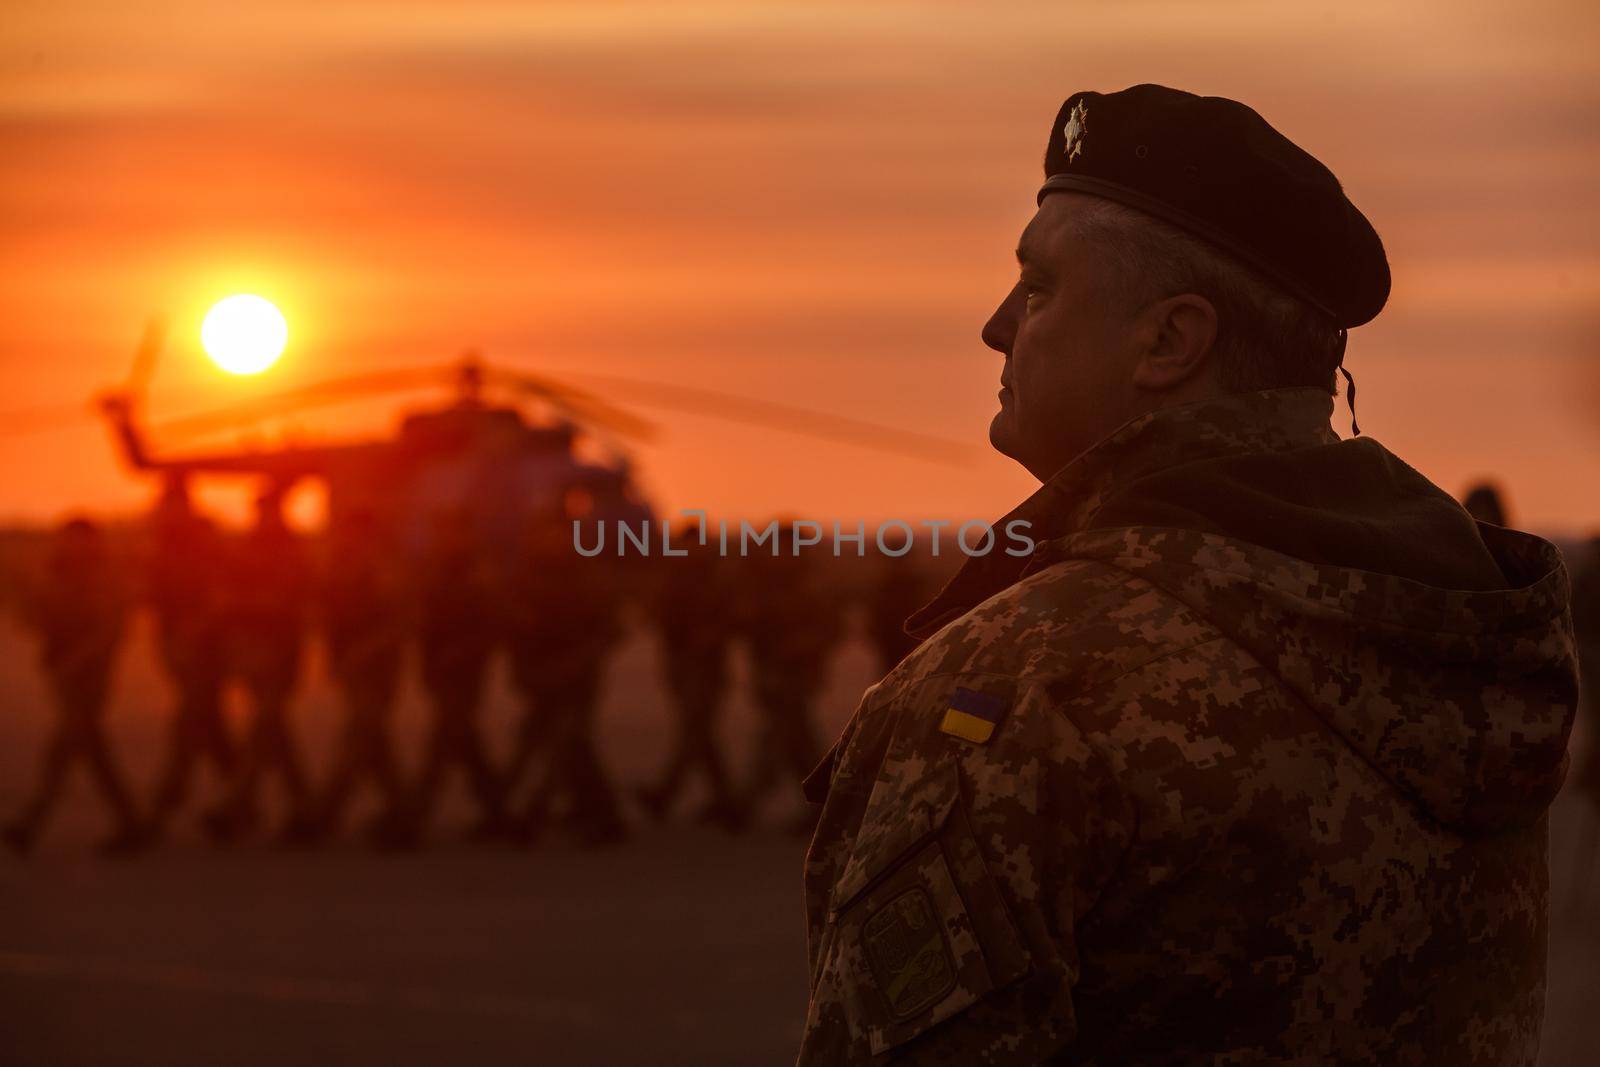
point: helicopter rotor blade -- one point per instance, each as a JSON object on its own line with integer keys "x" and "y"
{"x": 146, "y": 355}
{"x": 318, "y": 394}
{"x": 581, "y": 405}
{"x": 46, "y": 418}
{"x": 839, "y": 429}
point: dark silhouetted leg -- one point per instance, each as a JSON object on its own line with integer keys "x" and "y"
{"x": 59, "y": 751}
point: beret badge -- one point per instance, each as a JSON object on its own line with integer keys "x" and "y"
{"x": 1072, "y": 133}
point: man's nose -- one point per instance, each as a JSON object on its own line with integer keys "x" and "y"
{"x": 1001, "y": 329}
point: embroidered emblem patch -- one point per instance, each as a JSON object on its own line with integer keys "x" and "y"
{"x": 908, "y": 954}
{"x": 1072, "y": 132}
{"x": 972, "y": 716}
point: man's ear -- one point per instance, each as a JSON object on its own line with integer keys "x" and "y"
{"x": 1180, "y": 332}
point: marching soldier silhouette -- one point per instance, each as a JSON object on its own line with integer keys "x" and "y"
{"x": 457, "y": 633}
{"x": 1486, "y": 503}
{"x": 791, "y": 628}
{"x": 267, "y": 595}
{"x": 366, "y": 626}
{"x": 561, "y": 613}
{"x": 692, "y": 594}
{"x": 896, "y": 593}
{"x": 1586, "y": 627}
{"x": 185, "y": 582}
{"x": 1586, "y": 781}
{"x": 78, "y": 612}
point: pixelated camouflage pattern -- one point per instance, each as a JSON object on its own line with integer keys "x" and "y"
{"x": 1242, "y": 808}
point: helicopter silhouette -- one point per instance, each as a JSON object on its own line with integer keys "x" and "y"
{"x": 548, "y": 452}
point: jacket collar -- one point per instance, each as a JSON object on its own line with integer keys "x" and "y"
{"x": 1266, "y": 421}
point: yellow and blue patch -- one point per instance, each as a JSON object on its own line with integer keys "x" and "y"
{"x": 972, "y": 715}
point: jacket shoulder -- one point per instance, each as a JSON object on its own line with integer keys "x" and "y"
{"x": 1068, "y": 627}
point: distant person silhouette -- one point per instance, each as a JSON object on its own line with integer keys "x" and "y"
{"x": 1485, "y": 502}
{"x": 457, "y": 633}
{"x": 1585, "y": 782}
{"x": 185, "y": 580}
{"x": 562, "y": 622}
{"x": 1586, "y": 626}
{"x": 791, "y": 626}
{"x": 78, "y": 611}
{"x": 367, "y": 627}
{"x": 691, "y": 604}
{"x": 268, "y": 594}
{"x": 894, "y": 595}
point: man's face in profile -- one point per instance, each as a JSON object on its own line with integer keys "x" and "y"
{"x": 1066, "y": 379}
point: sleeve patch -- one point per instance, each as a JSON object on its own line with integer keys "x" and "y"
{"x": 972, "y": 715}
{"x": 908, "y": 954}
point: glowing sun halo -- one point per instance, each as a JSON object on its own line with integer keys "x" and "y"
{"x": 244, "y": 334}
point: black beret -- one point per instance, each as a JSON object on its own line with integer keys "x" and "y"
{"x": 1215, "y": 168}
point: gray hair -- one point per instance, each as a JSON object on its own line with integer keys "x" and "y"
{"x": 1266, "y": 338}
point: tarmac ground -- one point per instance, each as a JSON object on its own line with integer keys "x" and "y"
{"x": 681, "y": 946}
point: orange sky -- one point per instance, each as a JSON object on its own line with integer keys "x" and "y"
{"x": 813, "y": 202}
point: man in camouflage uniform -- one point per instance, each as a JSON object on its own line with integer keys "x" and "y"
{"x": 367, "y": 627}
{"x": 692, "y": 593}
{"x": 792, "y": 626}
{"x": 267, "y": 596}
{"x": 185, "y": 585}
{"x": 1249, "y": 761}
{"x": 562, "y": 622}
{"x": 456, "y": 637}
{"x": 78, "y": 611}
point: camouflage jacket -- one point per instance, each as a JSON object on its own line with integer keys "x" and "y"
{"x": 1248, "y": 763}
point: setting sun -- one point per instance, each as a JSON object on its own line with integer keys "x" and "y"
{"x": 244, "y": 334}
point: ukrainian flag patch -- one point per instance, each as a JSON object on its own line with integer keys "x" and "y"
{"x": 972, "y": 716}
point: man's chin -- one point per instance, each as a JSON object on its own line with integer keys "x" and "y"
{"x": 1002, "y": 435}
